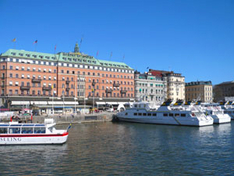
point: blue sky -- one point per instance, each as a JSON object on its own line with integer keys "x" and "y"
{"x": 192, "y": 37}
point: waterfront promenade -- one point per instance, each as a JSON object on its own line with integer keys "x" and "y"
{"x": 69, "y": 118}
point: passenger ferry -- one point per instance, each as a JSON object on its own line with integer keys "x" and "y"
{"x": 228, "y": 108}
{"x": 215, "y": 111}
{"x": 14, "y": 133}
{"x": 141, "y": 113}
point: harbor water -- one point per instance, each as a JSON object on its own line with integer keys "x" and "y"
{"x": 108, "y": 148}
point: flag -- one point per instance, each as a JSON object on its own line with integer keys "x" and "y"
{"x": 35, "y": 42}
{"x": 52, "y": 87}
{"x": 13, "y": 40}
{"x": 111, "y": 54}
{"x": 69, "y": 127}
{"x": 147, "y": 68}
{"x": 97, "y": 53}
{"x": 31, "y": 117}
{"x": 81, "y": 40}
{"x": 55, "y": 47}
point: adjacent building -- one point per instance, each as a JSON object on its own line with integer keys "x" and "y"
{"x": 224, "y": 91}
{"x": 175, "y": 83}
{"x": 199, "y": 90}
{"x": 150, "y": 88}
{"x": 63, "y": 79}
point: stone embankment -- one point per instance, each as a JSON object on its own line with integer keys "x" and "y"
{"x": 81, "y": 118}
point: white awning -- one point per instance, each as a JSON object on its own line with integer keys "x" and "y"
{"x": 100, "y": 103}
{"x": 20, "y": 103}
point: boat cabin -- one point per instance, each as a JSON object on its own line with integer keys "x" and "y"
{"x": 18, "y": 128}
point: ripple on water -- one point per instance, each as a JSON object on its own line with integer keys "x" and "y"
{"x": 128, "y": 149}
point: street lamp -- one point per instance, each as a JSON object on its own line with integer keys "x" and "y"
{"x": 93, "y": 84}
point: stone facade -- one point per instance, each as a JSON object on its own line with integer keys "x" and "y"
{"x": 150, "y": 88}
{"x": 223, "y": 91}
{"x": 199, "y": 90}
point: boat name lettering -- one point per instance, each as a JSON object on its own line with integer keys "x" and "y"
{"x": 10, "y": 139}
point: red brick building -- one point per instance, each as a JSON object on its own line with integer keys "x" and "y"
{"x": 38, "y": 78}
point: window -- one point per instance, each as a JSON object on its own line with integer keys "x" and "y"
{"x": 11, "y": 67}
{"x": 165, "y": 115}
{"x": 11, "y": 75}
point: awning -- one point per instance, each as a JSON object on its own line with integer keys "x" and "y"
{"x": 100, "y": 103}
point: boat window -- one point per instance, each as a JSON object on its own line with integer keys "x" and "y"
{"x": 39, "y": 130}
{"x": 139, "y": 114}
{"x": 154, "y": 114}
{"x": 135, "y": 106}
{"x": 183, "y": 115}
{"x": 27, "y": 130}
{"x": 177, "y": 115}
{"x": 135, "y": 114}
{"x": 171, "y": 114}
{"x": 126, "y": 113}
{"x": 3, "y": 130}
{"x": 165, "y": 114}
{"x": 149, "y": 114}
{"x": 144, "y": 114}
{"x": 14, "y": 130}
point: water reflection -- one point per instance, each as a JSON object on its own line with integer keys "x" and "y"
{"x": 128, "y": 149}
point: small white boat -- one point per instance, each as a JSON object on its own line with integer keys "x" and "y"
{"x": 228, "y": 108}
{"x": 14, "y": 133}
{"x": 141, "y": 113}
{"x": 215, "y": 112}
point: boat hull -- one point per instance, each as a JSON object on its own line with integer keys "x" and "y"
{"x": 168, "y": 121}
{"x": 224, "y": 118}
{"x": 33, "y": 139}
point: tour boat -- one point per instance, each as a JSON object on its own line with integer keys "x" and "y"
{"x": 228, "y": 108}
{"x": 141, "y": 113}
{"x": 15, "y": 133}
{"x": 215, "y": 112}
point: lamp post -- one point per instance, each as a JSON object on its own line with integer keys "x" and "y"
{"x": 93, "y": 84}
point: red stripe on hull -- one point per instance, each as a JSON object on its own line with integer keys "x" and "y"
{"x": 33, "y": 135}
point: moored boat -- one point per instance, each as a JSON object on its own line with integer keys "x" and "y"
{"x": 141, "y": 113}
{"x": 14, "y": 133}
{"x": 215, "y": 111}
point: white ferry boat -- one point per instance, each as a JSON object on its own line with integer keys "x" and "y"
{"x": 14, "y": 133}
{"x": 141, "y": 113}
{"x": 215, "y": 112}
{"x": 228, "y": 108}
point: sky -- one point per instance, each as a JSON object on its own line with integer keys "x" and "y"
{"x": 191, "y": 37}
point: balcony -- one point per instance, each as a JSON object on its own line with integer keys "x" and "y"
{"x": 67, "y": 82}
{"x": 2, "y": 77}
{"x": 34, "y": 80}
{"x": 116, "y": 85}
{"x": 68, "y": 88}
{"x": 25, "y": 87}
{"x": 47, "y": 88}
{"x": 109, "y": 90}
{"x": 123, "y": 91}
{"x": 2, "y": 85}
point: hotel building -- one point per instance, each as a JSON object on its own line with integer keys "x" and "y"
{"x": 199, "y": 90}
{"x": 63, "y": 79}
{"x": 175, "y": 83}
{"x": 150, "y": 88}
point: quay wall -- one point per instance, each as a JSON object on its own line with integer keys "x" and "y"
{"x": 81, "y": 118}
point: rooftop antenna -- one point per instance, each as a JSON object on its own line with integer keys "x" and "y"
{"x": 123, "y": 58}
{"x": 110, "y": 55}
{"x": 81, "y": 40}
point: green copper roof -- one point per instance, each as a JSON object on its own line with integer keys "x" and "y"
{"x": 78, "y": 58}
